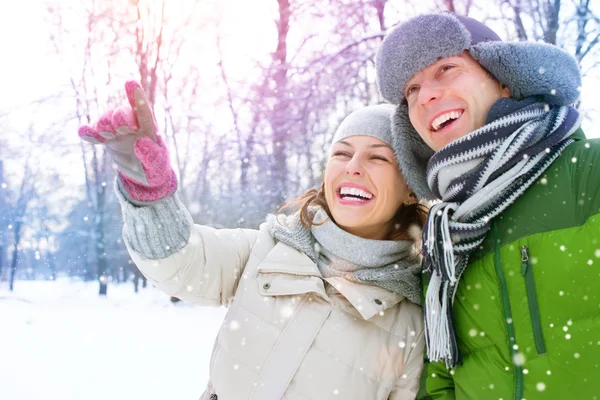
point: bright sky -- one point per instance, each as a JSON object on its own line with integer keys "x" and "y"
{"x": 31, "y": 71}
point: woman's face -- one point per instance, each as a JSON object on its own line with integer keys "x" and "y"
{"x": 363, "y": 186}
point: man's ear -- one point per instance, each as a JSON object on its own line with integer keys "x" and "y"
{"x": 505, "y": 90}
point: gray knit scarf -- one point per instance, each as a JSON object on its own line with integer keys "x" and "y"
{"x": 391, "y": 264}
{"x": 477, "y": 177}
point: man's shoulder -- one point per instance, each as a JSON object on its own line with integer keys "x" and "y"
{"x": 587, "y": 148}
{"x": 578, "y": 164}
{"x": 563, "y": 196}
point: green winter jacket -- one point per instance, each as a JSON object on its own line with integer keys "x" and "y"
{"x": 527, "y": 309}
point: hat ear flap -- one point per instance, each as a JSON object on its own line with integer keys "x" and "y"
{"x": 412, "y": 153}
{"x": 532, "y": 69}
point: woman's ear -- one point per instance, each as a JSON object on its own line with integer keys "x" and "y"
{"x": 412, "y": 199}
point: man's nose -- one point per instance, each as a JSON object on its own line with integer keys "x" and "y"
{"x": 429, "y": 92}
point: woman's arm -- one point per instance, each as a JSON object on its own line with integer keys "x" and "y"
{"x": 195, "y": 263}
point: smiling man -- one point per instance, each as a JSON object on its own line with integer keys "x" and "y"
{"x": 512, "y": 309}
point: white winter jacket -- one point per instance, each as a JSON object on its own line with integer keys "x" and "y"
{"x": 289, "y": 333}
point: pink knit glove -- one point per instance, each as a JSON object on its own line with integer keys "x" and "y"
{"x": 129, "y": 135}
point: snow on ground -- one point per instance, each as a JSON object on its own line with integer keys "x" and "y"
{"x": 61, "y": 341}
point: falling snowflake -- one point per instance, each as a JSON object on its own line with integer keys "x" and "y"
{"x": 519, "y": 359}
{"x": 286, "y": 311}
{"x": 234, "y": 325}
{"x": 540, "y": 386}
{"x": 194, "y": 208}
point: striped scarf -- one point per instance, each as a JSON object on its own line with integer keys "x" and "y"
{"x": 477, "y": 177}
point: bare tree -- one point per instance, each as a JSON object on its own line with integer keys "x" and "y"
{"x": 18, "y": 214}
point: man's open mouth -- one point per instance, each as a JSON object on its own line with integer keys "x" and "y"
{"x": 445, "y": 119}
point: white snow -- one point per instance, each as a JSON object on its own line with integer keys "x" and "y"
{"x": 61, "y": 341}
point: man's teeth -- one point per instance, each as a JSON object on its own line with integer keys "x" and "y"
{"x": 443, "y": 118}
{"x": 355, "y": 192}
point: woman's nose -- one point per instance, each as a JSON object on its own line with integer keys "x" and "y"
{"x": 354, "y": 167}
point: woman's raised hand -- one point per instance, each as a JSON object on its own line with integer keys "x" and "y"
{"x": 130, "y": 136}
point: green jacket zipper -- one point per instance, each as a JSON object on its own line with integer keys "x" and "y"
{"x": 519, "y": 378}
{"x": 534, "y": 310}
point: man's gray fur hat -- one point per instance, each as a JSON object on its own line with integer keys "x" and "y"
{"x": 527, "y": 68}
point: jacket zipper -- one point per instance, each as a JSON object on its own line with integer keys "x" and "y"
{"x": 534, "y": 311}
{"x": 519, "y": 384}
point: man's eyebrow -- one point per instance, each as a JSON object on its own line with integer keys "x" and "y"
{"x": 346, "y": 143}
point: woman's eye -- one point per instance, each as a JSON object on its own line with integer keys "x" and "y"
{"x": 341, "y": 154}
{"x": 382, "y": 158}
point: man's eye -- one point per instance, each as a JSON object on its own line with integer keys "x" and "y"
{"x": 446, "y": 68}
{"x": 411, "y": 90}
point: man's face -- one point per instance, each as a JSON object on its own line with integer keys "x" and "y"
{"x": 451, "y": 98}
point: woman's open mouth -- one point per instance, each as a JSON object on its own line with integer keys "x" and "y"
{"x": 352, "y": 195}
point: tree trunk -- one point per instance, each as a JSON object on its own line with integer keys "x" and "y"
{"x": 15, "y": 258}
{"x": 1, "y": 256}
{"x": 279, "y": 119}
{"x": 552, "y": 14}
{"x": 101, "y": 267}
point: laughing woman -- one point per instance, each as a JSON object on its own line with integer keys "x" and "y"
{"x": 323, "y": 298}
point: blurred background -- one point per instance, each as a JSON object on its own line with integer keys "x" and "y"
{"x": 247, "y": 94}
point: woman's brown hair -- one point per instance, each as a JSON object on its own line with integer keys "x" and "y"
{"x": 407, "y": 216}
